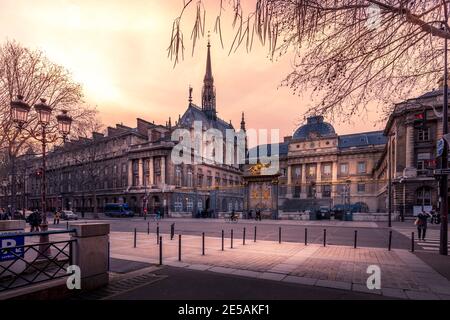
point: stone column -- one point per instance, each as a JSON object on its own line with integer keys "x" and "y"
{"x": 91, "y": 253}
{"x": 334, "y": 179}
{"x": 130, "y": 173}
{"x": 163, "y": 170}
{"x": 141, "y": 172}
{"x": 152, "y": 171}
{"x": 409, "y": 146}
{"x": 289, "y": 182}
{"x": 318, "y": 180}
{"x": 303, "y": 182}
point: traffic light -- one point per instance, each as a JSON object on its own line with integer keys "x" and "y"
{"x": 420, "y": 120}
{"x": 39, "y": 173}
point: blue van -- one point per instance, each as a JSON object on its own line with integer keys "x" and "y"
{"x": 118, "y": 210}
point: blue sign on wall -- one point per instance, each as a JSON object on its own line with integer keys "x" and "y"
{"x": 440, "y": 147}
{"x": 11, "y": 242}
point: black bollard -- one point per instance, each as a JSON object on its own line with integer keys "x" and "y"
{"x": 231, "y": 238}
{"x": 67, "y": 225}
{"x": 148, "y": 227}
{"x": 157, "y": 234}
{"x": 356, "y": 238}
{"x": 390, "y": 241}
{"x": 160, "y": 252}
{"x": 279, "y": 235}
{"x": 109, "y": 255}
{"x": 254, "y": 238}
{"x": 223, "y": 240}
{"x": 306, "y": 236}
{"x": 172, "y": 231}
{"x": 179, "y": 247}
{"x": 135, "y": 237}
{"x": 324, "y": 237}
{"x": 243, "y": 238}
{"x": 412, "y": 242}
{"x": 203, "y": 244}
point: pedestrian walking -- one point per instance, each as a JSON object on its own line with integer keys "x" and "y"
{"x": 34, "y": 219}
{"x": 258, "y": 215}
{"x": 422, "y": 224}
{"x": 56, "y": 217}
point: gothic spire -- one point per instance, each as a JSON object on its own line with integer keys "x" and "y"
{"x": 209, "y": 92}
{"x": 243, "y": 122}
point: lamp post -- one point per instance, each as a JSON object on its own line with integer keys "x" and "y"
{"x": 19, "y": 111}
{"x": 443, "y": 186}
{"x": 19, "y": 114}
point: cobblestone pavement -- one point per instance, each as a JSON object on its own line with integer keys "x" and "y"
{"x": 403, "y": 275}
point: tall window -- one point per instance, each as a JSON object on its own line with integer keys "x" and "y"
{"x": 189, "y": 204}
{"x": 361, "y": 167}
{"x": 135, "y": 172}
{"x": 361, "y": 187}
{"x": 326, "y": 191}
{"x": 343, "y": 169}
{"x": 326, "y": 170}
{"x": 199, "y": 180}
{"x": 422, "y": 160}
{"x": 178, "y": 204}
{"x": 311, "y": 170}
{"x": 423, "y": 134}
{"x": 296, "y": 174}
{"x": 311, "y": 191}
{"x": 178, "y": 176}
{"x": 189, "y": 178}
{"x": 423, "y": 196}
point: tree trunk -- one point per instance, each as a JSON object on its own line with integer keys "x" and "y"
{"x": 96, "y": 216}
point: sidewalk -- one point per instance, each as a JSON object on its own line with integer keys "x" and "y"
{"x": 403, "y": 275}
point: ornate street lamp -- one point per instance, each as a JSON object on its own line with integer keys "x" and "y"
{"x": 19, "y": 111}
{"x": 64, "y": 123}
{"x": 19, "y": 115}
{"x": 44, "y": 112}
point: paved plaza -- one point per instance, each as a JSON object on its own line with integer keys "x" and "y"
{"x": 403, "y": 275}
{"x": 337, "y": 266}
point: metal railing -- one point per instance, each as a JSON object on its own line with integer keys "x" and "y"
{"x": 33, "y": 263}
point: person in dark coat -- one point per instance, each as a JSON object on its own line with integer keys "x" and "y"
{"x": 422, "y": 224}
{"x": 34, "y": 219}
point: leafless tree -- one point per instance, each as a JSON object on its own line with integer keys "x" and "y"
{"x": 30, "y": 74}
{"x": 347, "y": 52}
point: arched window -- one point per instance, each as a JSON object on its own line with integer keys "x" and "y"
{"x": 423, "y": 196}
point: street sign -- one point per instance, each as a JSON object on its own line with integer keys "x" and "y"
{"x": 440, "y": 172}
{"x": 11, "y": 242}
{"x": 440, "y": 147}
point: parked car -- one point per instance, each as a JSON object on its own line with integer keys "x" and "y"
{"x": 338, "y": 211}
{"x": 118, "y": 210}
{"x": 68, "y": 215}
{"x": 323, "y": 213}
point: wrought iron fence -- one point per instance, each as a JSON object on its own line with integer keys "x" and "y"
{"x": 27, "y": 264}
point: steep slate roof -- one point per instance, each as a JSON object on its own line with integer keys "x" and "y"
{"x": 361, "y": 139}
{"x": 282, "y": 149}
{"x": 194, "y": 113}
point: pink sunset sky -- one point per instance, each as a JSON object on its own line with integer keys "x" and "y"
{"x": 118, "y": 51}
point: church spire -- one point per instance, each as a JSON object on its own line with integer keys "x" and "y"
{"x": 209, "y": 92}
{"x": 243, "y": 123}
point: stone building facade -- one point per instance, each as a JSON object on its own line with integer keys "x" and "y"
{"x": 320, "y": 168}
{"x": 413, "y": 129}
{"x": 135, "y": 166}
